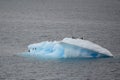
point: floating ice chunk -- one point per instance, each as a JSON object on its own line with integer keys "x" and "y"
{"x": 68, "y": 48}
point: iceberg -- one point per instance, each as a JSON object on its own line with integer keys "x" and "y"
{"x": 68, "y": 48}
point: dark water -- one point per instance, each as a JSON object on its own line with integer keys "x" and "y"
{"x": 21, "y": 68}
{"x": 23, "y": 22}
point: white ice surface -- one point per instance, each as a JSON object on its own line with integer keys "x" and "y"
{"x": 87, "y": 44}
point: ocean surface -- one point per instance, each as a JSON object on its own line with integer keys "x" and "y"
{"x": 24, "y": 68}
{"x": 23, "y": 22}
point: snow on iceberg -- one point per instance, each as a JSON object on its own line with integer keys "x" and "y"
{"x": 68, "y": 48}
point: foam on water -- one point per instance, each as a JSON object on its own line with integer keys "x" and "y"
{"x": 68, "y": 48}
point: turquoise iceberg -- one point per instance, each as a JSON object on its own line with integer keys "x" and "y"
{"x": 68, "y": 48}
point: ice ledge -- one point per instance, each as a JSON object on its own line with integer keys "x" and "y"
{"x": 87, "y": 44}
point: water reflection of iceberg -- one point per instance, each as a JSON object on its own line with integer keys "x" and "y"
{"x": 68, "y": 48}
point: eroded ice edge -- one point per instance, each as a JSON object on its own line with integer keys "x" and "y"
{"x": 67, "y": 48}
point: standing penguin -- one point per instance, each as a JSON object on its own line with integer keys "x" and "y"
{"x": 77, "y": 37}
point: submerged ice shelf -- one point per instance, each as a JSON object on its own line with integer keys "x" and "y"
{"x": 68, "y": 48}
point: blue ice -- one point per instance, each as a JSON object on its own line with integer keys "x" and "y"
{"x": 68, "y": 48}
